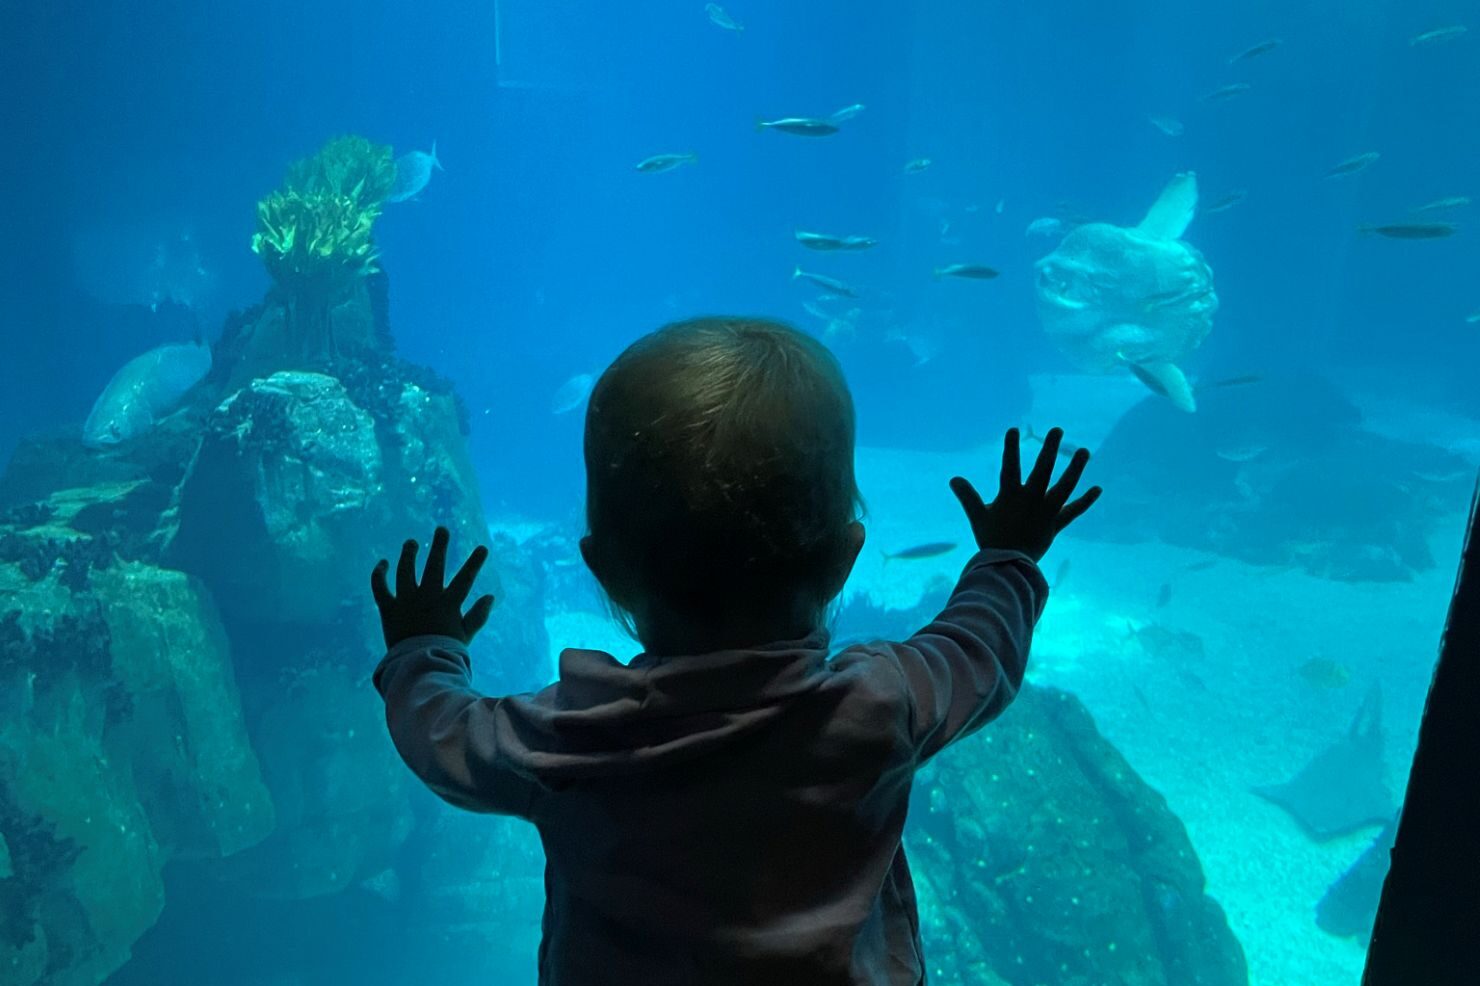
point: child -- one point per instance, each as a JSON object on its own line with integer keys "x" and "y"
{"x": 727, "y": 807}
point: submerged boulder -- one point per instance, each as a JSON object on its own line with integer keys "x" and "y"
{"x": 122, "y": 746}
{"x": 1041, "y": 856}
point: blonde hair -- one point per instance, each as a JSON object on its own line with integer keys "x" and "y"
{"x": 719, "y": 464}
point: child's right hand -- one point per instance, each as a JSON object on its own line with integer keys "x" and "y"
{"x": 1027, "y": 516}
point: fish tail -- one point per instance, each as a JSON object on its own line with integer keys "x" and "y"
{"x": 796, "y": 273}
{"x": 435, "y": 163}
{"x": 760, "y": 123}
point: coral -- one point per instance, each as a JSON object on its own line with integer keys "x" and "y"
{"x": 27, "y": 515}
{"x": 315, "y": 233}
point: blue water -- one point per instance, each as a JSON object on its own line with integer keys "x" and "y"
{"x": 541, "y": 252}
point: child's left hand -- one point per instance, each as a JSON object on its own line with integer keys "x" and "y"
{"x": 427, "y": 608}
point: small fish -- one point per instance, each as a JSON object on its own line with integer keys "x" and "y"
{"x": 1254, "y": 51}
{"x": 1412, "y": 231}
{"x": 1473, "y": 318}
{"x": 1163, "y": 595}
{"x": 1001, "y": 204}
{"x": 1066, "y": 449}
{"x": 826, "y": 283}
{"x": 1226, "y": 92}
{"x": 1241, "y": 453}
{"x": 1241, "y": 381}
{"x": 1439, "y": 34}
{"x": 847, "y": 113}
{"x": 719, "y": 18}
{"x": 413, "y": 173}
{"x": 1227, "y": 201}
{"x": 822, "y": 241}
{"x": 1169, "y": 125}
{"x": 974, "y": 272}
{"x": 1440, "y": 205}
{"x": 1352, "y": 165}
{"x": 816, "y": 311}
{"x": 386, "y": 885}
{"x": 1060, "y": 573}
{"x": 801, "y": 126}
{"x": 1141, "y": 697}
{"x": 1200, "y": 566}
{"x": 1322, "y": 672}
{"x": 143, "y": 391}
{"x": 924, "y": 350}
{"x": 1045, "y": 226}
{"x": 930, "y": 549}
{"x": 665, "y": 162}
{"x": 572, "y": 394}
{"x": 916, "y": 166}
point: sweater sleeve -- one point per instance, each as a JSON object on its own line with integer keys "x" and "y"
{"x": 967, "y": 665}
{"x": 447, "y": 733}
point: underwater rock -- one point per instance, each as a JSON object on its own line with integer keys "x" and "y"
{"x": 121, "y": 747}
{"x": 1255, "y": 482}
{"x": 277, "y": 500}
{"x": 1041, "y": 855}
{"x": 339, "y": 790}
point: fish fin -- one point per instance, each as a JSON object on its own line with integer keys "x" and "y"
{"x": 435, "y": 163}
{"x": 760, "y": 123}
{"x": 1167, "y": 380}
{"x": 796, "y": 273}
{"x": 1170, "y": 214}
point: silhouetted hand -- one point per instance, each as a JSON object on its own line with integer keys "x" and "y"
{"x": 427, "y": 608}
{"x": 1027, "y": 516}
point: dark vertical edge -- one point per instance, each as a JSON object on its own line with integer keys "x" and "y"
{"x": 1428, "y": 921}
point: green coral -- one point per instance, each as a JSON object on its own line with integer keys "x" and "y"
{"x": 315, "y": 233}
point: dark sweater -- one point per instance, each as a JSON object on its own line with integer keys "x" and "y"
{"x": 724, "y": 818}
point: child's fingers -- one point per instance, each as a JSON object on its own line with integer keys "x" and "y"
{"x": 1071, "y": 511}
{"x": 1064, "y": 488}
{"x": 477, "y": 616}
{"x": 971, "y": 502}
{"x": 406, "y": 567}
{"x": 462, "y": 582}
{"x": 1012, "y": 469}
{"x": 378, "y": 588}
{"x": 1043, "y": 468}
{"x": 436, "y": 570}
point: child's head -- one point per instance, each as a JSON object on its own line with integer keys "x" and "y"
{"x": 720, "y": 495}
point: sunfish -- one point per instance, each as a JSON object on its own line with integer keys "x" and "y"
{"x": 144, "y": 389}
{"x": 413, "y": 172}
{"x": 1136, "y": 299}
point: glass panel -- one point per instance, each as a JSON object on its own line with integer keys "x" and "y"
{"x": 289, "y": 283}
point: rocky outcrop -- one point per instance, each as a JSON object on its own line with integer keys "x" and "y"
{"x": 122, "y": 746}
{"x": 1041, "y": 856}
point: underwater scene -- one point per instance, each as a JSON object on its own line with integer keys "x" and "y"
{"x": 293, "y": 282}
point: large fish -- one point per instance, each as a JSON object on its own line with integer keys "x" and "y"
{"x": 144, "y": 389}
{"x": 413, "y": 173}
{"x": 1139, "y": 299}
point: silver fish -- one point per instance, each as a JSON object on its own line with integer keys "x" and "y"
{"x": 1440, "y": 205}
{"x": 916, "y": 166}
{"x": 822, "y": 241}
{"x": 1412, "y": 231}
{"x": 1045, "y": 226}
{"x": 413, "y": 173}
{"x": 1170, "y": 126}
{"x": 1254, "y": 51}
{"x": 847, "y": 112}
{"x": 665, "y": 162}
{"x": 801, "y": 126}
{"x": 974, "y": 272}
{"x": 1352, "y": 165}
{"x": 1226, "y": 202}
{"x": 1226, "y": 92}
{"x": 1473, "y": 318}
{"x": 1451, "y": 33}
{"x": 144, "y": 389}
{"x": 720, "y": 18}
{"x": 826, "y": 283}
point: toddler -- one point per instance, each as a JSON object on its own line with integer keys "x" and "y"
{"x": 725, "y": 809}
